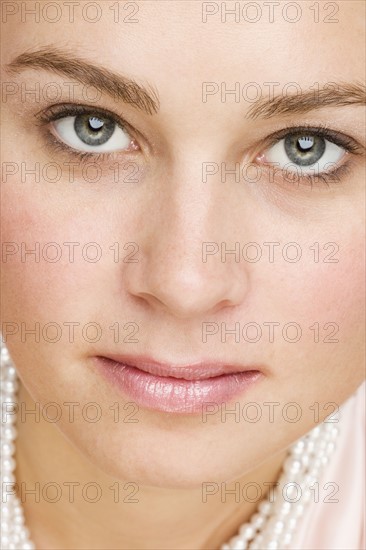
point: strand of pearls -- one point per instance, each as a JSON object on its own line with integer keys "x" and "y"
{"x": 14, "y": 534}
{"x": 270, "y": 528}
{"x": 273, "y": 525}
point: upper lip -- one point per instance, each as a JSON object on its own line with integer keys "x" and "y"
{"x": 194, "y": 371}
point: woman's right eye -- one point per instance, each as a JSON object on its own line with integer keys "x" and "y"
{"x": 91, "y": 133}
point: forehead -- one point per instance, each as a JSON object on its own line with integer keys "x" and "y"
{"x": 190, "y": 39}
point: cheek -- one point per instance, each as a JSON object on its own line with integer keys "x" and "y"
{"x": 332, "y": 290}
{"x": 55, "y": 279}
{"x": 336, "y": 291}
{"x": 329, "y": 305}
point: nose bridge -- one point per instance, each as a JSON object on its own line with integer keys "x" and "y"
{"x": 192, "y": 211}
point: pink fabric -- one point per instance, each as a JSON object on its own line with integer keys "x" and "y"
{"x": 340, "y": 526}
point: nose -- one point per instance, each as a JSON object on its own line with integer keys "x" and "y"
{"x": 181, "y": 269}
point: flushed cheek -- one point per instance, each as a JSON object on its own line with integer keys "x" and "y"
{"x": 327, "y": 301}
{"x": 61, "y": 277}
{"x": 338, "y": 289}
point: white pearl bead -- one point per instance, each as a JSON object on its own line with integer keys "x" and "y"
{"x": 315, "y": 432}
{"x": 299, "y": 510}
{"x": 4, "y": 354}
{"x": 11, "y": 373}
{"x": 308, "y": 480}
{"x": 324, "y": 461}
{"x": 10, "y": 400}
{"x": 237, "y": 543}
{"x": 292, "y": 467}
{"x": 6, "y": 511}
{"x": 283, "y": 507}
{"x": 291, "y": 492}
{"x": 8, "y": 478}
{"x": 305, "y": 460}
{"x": 291, "y": 523}
{"x": 10, "y": 386}
{"x": 257, "y": 521}
{"x": 5, "y": 526}
{"x": 7, "y": 448}
{"x": 264, "y": 507}
{"x": 18, "y": 520}
{"x": 247, "y": 531}
{"x": 9, "y": 432}
{"x": 5, "y": 541}
{"x": 285, "y": 539}
{"x": 310, "y": 446}
{"x": 334, "y": 431}
{"x": 8, "y": 464}
{"x": 278, "y": 527}
{"x": 272, "y": 545}
{"x": 299, "y": 447}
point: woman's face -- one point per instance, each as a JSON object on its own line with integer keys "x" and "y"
{"x": 204, "y": 166}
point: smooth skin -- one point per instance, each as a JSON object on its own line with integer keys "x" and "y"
{"x": 170, "y": 292}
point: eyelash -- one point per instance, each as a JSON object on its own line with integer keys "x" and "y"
{"x": 57, "y": 112}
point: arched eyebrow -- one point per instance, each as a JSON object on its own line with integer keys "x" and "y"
{"x": 332, "y": 94}
{"x": 67, "y": 65}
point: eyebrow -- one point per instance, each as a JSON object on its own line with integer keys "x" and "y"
{"x": 332, "y": 94}
{"x": 147, "y": 99}
{"x": 104, "y": 80}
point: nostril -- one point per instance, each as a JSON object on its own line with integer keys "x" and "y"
{"x": 185, "y": 303}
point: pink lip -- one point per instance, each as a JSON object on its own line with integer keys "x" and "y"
{"x": 176, "y": 388}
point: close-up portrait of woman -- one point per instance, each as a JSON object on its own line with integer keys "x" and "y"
{"x": 183, "y": 275}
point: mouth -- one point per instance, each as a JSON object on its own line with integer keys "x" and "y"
{"x": 185, "y": 389}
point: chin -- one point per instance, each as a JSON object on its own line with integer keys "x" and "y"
{"x": 155, "y": 468}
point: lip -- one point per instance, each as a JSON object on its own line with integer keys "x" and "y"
{"x": 176, "y": 388}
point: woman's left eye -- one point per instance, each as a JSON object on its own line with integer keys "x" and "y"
{"x": 91, "y": 133}
{"x": 304, "y": 153}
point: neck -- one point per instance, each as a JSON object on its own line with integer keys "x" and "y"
{"x": 126, "y": 516}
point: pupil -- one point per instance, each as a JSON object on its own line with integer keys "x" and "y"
{"x": 305, "y": 143}
{"x": 95, "y": 123}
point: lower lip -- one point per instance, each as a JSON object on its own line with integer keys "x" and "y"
{"x": 175, "y": 395}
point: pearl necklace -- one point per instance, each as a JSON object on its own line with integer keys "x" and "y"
{"x": 270, "y": 528}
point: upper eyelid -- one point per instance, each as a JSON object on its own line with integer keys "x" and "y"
{"x": 64, "y": 110}
{"x": 339, "y": 138}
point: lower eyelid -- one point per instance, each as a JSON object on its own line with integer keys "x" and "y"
{"x": 331, "y": 177}
{"x": 55, "y": 145}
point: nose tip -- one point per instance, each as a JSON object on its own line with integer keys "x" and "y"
{"x": 190, "y": 290}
